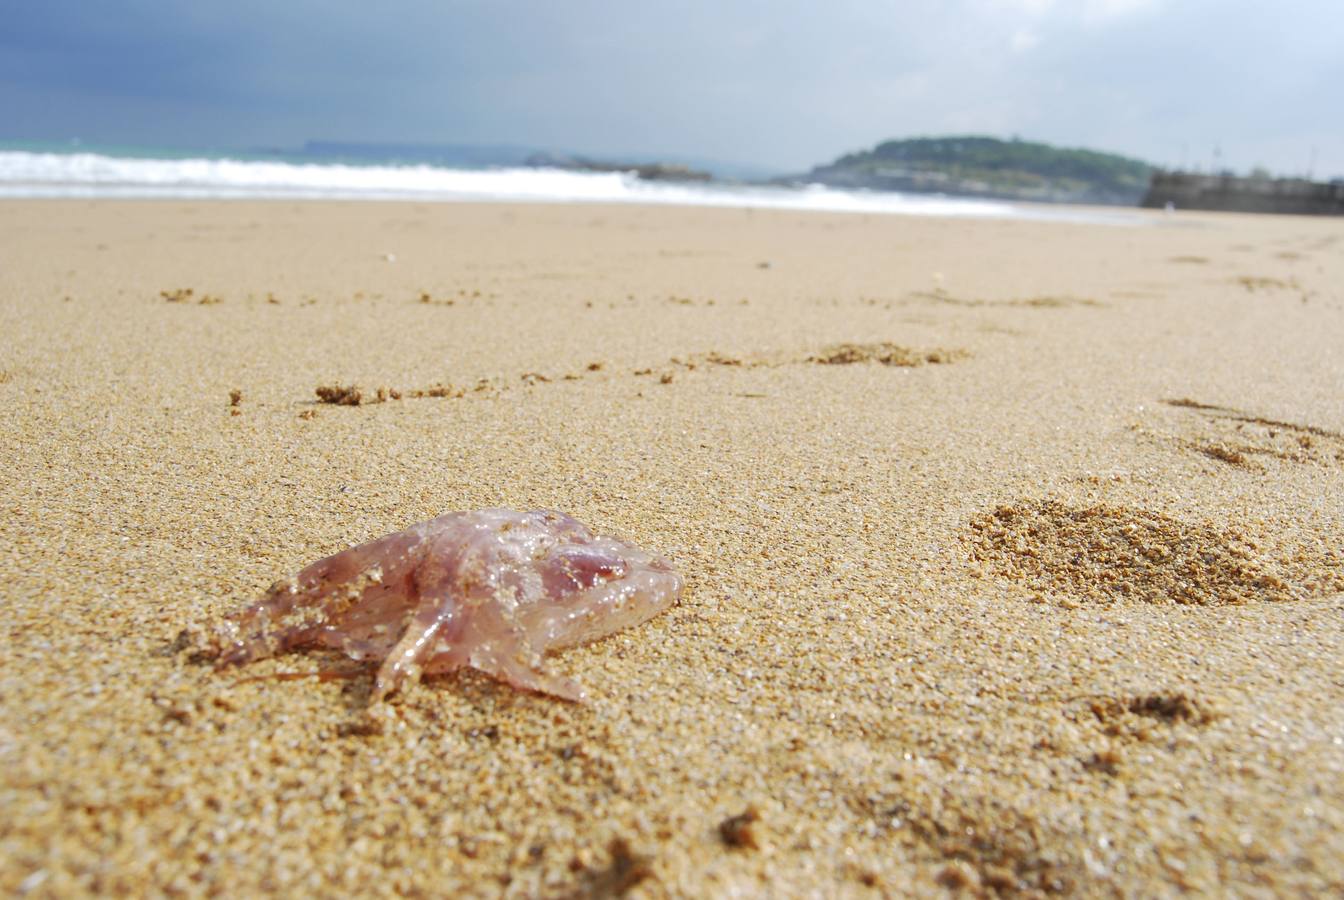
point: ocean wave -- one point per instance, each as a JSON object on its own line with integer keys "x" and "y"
{"x": 25, "y": 174}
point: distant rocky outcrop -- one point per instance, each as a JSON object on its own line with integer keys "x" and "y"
{"x": 649, "y": 171}
{"x": 974, "y": 166}
{"x": 1229, "y": 193}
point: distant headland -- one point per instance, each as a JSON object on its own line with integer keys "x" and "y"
{"x": 978, "y": 166}
{"x": 970, "y": 166}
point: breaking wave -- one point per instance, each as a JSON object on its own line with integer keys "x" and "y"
{"x": 50, "y": 175}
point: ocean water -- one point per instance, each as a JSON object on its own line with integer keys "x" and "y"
{"x": 46, "y": 173}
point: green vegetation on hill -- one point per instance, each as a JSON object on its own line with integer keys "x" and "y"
{"x": 989, "y": 167}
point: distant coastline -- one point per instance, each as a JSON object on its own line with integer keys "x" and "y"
{"x": 90, "y": 174}
{"x": 966, "y": 175}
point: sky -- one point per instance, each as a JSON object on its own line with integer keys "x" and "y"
{"x": 786, "y": 84}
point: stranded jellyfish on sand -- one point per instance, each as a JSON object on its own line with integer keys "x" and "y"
{"x": 493, "y": 589}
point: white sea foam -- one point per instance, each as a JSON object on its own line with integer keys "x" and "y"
{"x": 27, "y": 174}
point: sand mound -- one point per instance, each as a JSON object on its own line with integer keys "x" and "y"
{"x": 1100, "y": 554}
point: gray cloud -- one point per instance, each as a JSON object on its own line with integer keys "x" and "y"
{"x": 786, "y": 84}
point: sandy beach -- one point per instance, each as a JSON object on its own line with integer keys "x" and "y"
{"x": 1014, "y": 550}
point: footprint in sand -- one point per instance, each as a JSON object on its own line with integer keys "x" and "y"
{"x": 1248, "y": 441}
{"x": 884, "y": 353}
{"x": 1125, "y": 720}
{"x": 987, "y": 845}
{"x": 1043, "y": 302}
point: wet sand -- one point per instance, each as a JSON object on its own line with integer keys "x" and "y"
{"x": 1014, "y": 550}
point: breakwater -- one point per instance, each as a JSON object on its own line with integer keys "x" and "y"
{"x": 1230, "y": 193}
